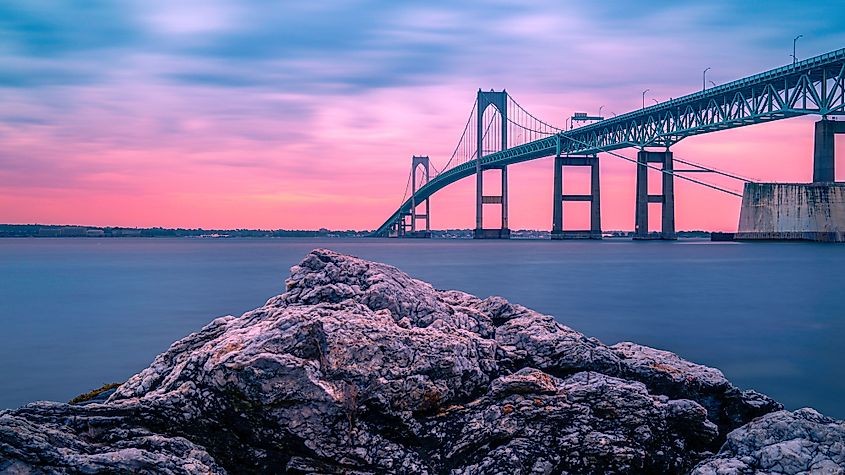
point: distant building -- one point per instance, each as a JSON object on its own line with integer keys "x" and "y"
{"x": 95, "y": 233}
{"x": 48, "y": 232}
{"x": 72, "y": 231}
{"x": 126, "y": 232}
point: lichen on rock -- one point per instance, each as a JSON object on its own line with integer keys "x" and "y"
{"x": 359, "y": 368}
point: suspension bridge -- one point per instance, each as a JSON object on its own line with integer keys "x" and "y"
{"x": 500, "y": 132}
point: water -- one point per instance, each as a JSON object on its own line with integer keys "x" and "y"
{"x": 77, "y": 313}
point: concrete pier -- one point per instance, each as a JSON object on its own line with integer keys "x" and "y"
{"x": 799, "y": 211}
{"x": 824, "y": 150}
{"x": 666, "y": 198}
{"x": 793, "y": 211}
{"x": 501, "y": 199}
{"x": 594, "y": 198}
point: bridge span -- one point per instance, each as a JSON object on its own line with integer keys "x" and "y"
{"x": 500, "y": 132}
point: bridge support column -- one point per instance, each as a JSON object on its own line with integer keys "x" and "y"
{"x": 666, "y": 198}
{"x": 505, "y": 198}
{"x": 479, "y": 200}
{"x": 416, "y": 162}
{"x": 594, "y": 198}
{"x": 501, "y": 199}
{"x": 823, "y": 150}
{"x": 402, "y": 225}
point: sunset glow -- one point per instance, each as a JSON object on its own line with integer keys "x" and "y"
{"x": 228, "y": 114}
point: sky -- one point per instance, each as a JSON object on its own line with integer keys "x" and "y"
{"x": 300, "y": 115}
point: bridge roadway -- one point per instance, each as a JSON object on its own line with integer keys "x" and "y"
{"x": 812, "y": 86}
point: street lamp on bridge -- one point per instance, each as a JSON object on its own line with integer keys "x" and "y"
{"x": 644, "y": 97}
{"x": 704, "y": 79}
{"x": 794, "y": 41}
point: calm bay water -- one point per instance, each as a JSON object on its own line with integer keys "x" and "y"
{"x": 77, "y": 313}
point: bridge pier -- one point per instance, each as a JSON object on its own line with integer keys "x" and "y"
{"x": 415, "y": 233}
{"x": 401, "y": 226}
{"x": 482, "y": 199}
{"x": 823, "y": 150}
{"x": 799, "y": 211}
{"x": 594, "y": 198}
{"x": 666, "y": 198}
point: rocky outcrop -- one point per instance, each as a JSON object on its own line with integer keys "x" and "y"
{"x": 782, "y": 443}
{"x": 358, "y": 368}
{"x": 48, "y": 438}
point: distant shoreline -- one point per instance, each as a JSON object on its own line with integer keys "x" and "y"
{"x": 77, "y": 231}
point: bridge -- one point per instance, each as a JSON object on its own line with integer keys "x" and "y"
{"x": 500, "y": 132}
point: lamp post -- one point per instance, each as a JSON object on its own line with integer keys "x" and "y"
{"x": 644, "y": 97}
{"x": 704, "y": 79}
{"x": 655, "y": 100}
{"x": 794, "y": 41}
{"x": 600, "y": 108}
{"x": 713, "y": 83}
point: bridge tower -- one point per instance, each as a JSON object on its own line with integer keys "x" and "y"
{"x": 499, "y": 100}
{"x": 419, "y": 162}
{"x": 666, "y": 198}
{"x": 594, "y": 198}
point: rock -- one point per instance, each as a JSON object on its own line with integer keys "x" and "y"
{"x": 667, "y": 373}
{"x": 524, "y": 381}
{"x": 586, "y": 423}
{"x": 47, "y": 438}
{"x": 358, "y": 368}
{"x": 782, "y": 443}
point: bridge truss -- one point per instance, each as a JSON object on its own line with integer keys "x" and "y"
{"x": 815, "y": 86}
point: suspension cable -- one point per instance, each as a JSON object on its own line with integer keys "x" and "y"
{"x": 405, "y": 194}
{"x": 532, "y": 116}
{"x": 547, "y": 134}
{"x": 460, "y": 140}
{"x": 436, "y": 171}
{"x": 483, "y": 136}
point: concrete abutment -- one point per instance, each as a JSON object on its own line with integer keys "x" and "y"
{"x": 799, "y": 211}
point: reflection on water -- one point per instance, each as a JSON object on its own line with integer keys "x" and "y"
{"x": 77, "y": 313}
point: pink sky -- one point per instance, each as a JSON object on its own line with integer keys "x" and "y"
{"x": 186, "y": 120}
